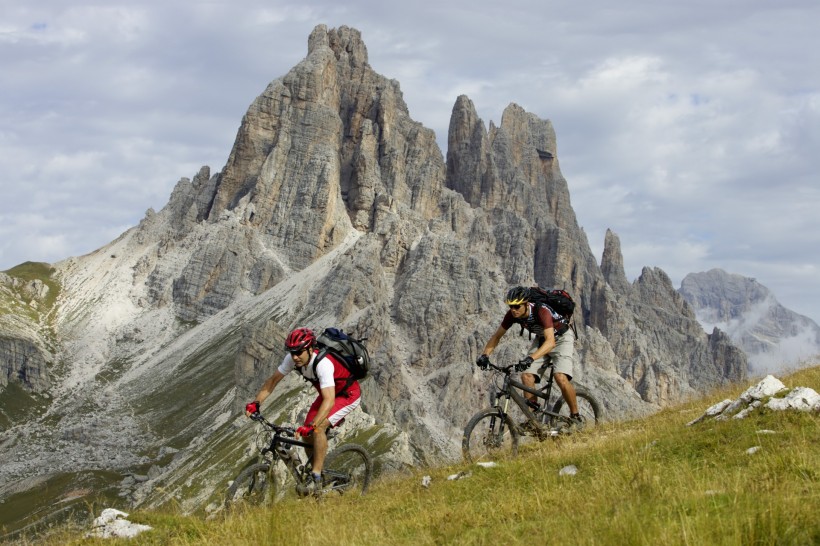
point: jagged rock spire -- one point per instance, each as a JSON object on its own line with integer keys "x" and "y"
{"x": 612, "y": 264}
{"x": 324, "y": 150}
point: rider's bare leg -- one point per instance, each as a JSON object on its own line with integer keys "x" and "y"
{"x": 567, "y": 390}
{"x": 528, "y": 379}
{"x": 319, "y": 445}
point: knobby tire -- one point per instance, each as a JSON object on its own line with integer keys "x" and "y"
{"x": 588, "y": 407}
{"x": 254, "y": 485}
{"x": 348, "y": 470}
{"x": 489, "y": 436}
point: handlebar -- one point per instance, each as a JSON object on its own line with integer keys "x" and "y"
{"x": 502, "y": 369}
{"x": 512, "y": 367}
{"x": 283, "y": 430}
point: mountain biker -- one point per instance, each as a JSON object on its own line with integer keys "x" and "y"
{"x": 339, "y": 394}
{"x": 538, "y": 320}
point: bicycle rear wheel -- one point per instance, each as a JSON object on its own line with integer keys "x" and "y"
{"x": 588, "y": 407}
{"x": 489, "y": 436}
{"x": 347, "y": 470}
{"x": 254, "y": 485}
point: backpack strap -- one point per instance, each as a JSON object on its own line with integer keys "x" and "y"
{"x": 565, "y": 322}
{"x": 524, "y": 321}
{"x": 301, "y": 372}
{"x": 319, "y": 356}
{"x": 323, "y": 352}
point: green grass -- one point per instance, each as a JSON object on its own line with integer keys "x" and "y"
{"x": 17, "y": 404}
{"x": 649, "y": 481}
{"x": 18, "y": 306}
{"x": 29, "y": 271}
{"x": 80, "y": 496}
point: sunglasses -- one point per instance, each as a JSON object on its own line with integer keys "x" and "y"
{"x": 296, "y": 353}
{"x": 515, "y": 307}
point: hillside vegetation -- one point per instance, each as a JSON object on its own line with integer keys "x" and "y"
{"x": 23, "y": 312}
{"x": 18, "y": 302}
{"x": 649, "y": 481}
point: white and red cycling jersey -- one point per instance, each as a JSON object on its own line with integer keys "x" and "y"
{"x": 327, "y": 373}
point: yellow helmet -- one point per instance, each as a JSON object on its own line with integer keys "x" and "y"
{"x": 517, "y": 295}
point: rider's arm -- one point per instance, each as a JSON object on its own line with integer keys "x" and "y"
{"x": 269, "y": 385}
{"x": 284, "y": 368}
{"x": 491, "y": 345}
{"x": 325, "y": 370}
{"x": 547, "y": 346}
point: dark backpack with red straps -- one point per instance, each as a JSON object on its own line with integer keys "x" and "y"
{"x": 558, "y": 301}
{"x": 350, "y": 351}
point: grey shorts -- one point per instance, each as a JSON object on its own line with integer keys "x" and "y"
{"x": 562, "y": 356}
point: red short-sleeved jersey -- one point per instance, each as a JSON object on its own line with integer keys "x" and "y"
{"x": 537, "y": 319}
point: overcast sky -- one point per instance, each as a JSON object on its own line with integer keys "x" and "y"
{"x": 691, "y": 129}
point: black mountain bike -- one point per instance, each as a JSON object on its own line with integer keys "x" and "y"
{"x": 347, "y": 469}
{"x": 492, "y": 433}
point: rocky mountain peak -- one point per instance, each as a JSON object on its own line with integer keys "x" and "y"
{"x": 723, "y": 295}
{"x": 345, "y": 42}
{"x": 612, "y": 263}
{"x": 774, "y": 337}
{"x": 329, "y": 151}
{"x": 324, "y": 150}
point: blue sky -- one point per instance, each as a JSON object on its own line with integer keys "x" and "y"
{"x": 690, "y": 129}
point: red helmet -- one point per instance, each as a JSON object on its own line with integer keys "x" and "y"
{"x": 300, "y": 339}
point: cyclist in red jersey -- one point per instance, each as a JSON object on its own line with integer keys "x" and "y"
{"x": 339, "y": 394}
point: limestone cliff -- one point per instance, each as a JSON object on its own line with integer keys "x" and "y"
{"x": 25, "y": 338}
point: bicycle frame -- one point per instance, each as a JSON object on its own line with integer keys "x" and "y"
{"x": 292, "y": 460}
{"x": 348, "y": 467}
{"x": 279, "y": 439}
{"x": 511, "y": 388}
{"x": 494, "y": 432}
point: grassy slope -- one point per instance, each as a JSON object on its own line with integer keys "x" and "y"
{"x": 17, "y": 404}
{"x": 18, "y": 302}
{"x": 651, "y": 481}
{"x": 15, "y": 401}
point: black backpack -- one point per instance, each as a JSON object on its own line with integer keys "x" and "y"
{"x": 349, "y": 351}
{"x": 557, "y": 300}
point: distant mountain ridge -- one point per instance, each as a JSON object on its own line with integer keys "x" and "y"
{"x": 335, "y": 208}
{"x": 772, "y": 336}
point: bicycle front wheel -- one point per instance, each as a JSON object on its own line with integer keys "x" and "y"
{"x": 489, "y": 436}
{"x": 348, "y": 470}
{"x": 588, "y": 407}
{"x": 254, "y": 485}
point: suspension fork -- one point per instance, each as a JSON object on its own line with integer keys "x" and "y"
{"x": 506, "y": 392}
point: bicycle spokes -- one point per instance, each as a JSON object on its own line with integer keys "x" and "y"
{"x": 338, "y": 481}
{"x": 347, "y": 470}
{"x": 489, "y": 435}
{"x": 495, "y": 435}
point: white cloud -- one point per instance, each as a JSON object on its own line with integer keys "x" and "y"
{"x": 689, "y": 129}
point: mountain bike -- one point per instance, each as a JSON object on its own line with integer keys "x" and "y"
{"x": 347, "y": 469}
{"x": 492, "y": 433}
